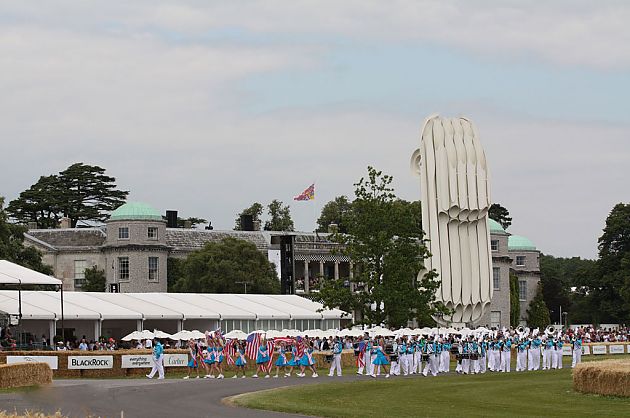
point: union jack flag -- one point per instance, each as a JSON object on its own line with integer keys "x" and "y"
{"x": 252, "y": 345}
{"x": 308, "y": 194}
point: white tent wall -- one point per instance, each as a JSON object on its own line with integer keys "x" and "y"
{"x": 169, "y": 326}
{"x": 201, "y": 324}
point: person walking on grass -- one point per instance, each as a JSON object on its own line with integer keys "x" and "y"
{"x": 158, "y": 361}
{"x": 208, "y": 360}
{"x": 337, "y": 348}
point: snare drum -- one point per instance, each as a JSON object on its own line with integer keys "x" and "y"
{"x": 393, "y": 357}
{"x": 474, "y": 356}
{"x": 329, "y": 358}
{"x": 425, "y": 357}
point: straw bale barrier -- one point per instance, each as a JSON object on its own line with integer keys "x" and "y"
{"x": 24, "y": 374}
{"x": 30, "y": 414}
{"x": 608, "y": 377}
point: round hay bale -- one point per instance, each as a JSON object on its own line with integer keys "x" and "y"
{"x": 609, "y": 377}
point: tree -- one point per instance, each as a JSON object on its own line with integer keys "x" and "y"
{"x": 515, "y": 303}
{"x": 174, "y": 270}
{"x": 387, "y": 250}
{"x": 80, "y": 192}
{"x": 500, "y": 214}
{"x": 611, "y": 294}
{"x": 255, "y": 210}
{"x": 279, "y": 217}
{"x": 12, "y": 246}
{"x": 334, "y": 212}
{"x": 538, "y": 313}
{"x": 181, "y": 222}
{"x": 94, "y": 280}
{"x": 223, "y": 267}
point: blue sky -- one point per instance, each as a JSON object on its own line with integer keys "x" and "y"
{"x": 206, "y": 107}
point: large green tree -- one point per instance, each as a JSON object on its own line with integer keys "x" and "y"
{"x": 94, "y": 280}
{"x": 224, "y": 267}
{"x": 279, "y": 217}
{"x": 80, "y": 192}
{"x": 387, "y": 249}
{"x": 12, "y": 246}
{"x": 612, "y": 293}
{"x": 335, "y": 212}
{"x": 537, "y": 312}
{"x": 500, "y": 214}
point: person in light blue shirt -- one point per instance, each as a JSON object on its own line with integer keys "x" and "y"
{"x": 335, "y": 364}
{"x": 577, "y": 350}
{"x": 158, "y": 361}
{"x": 557, "y": 354}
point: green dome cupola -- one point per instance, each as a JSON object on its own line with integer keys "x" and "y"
{"x": 495, "y": 227}
{"x": 520, "y": 243}
{"x": 135, "y": 211}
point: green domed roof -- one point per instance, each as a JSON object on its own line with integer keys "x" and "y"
{"x": 517, "y": 242}
{"x": 495, "y": 227}
{"x": 135, "y": 211}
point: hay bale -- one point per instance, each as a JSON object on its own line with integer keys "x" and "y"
{"x": 24, "y": 374}
{"x": 609, "y": 377}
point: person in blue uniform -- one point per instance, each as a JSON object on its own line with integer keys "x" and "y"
{"x": 281, "y": 361}
{"x": 218, "y": 356}
{"x": 335, "y": 364}
{"x": 193, "y": 358}
{"x": 262, "y": 358}
{"x": 208, "y": 360}
{"x": 380, "y": 360}
{"x": 240, "y": 361}
{"x": 158, "y": 361}
{"x": 577, "y": 350}
{"x": 294, "y": 361}
{"x": 557, "y": 360}
{"x": 308, "y": 361}
{"x": 506, "y": 355}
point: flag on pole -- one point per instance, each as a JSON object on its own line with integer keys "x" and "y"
{"x": 308, "y": 194}
{"x": 252, "y": 345}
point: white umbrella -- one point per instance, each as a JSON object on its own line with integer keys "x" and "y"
{"x": 181, "y": 335}
{"x": 197, "y": 335}
{"x": 160, "y": 334}
{"x": 145, "y": 334}
{"x": 331, "y": 332}
{"x": 236, "y": 334}
{"x": 136, "y": 335}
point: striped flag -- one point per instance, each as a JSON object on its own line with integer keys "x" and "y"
{"x": 300, "y": 346}
{"x": 270, "y": 345}
{"x": 361, "y": 356}
{"x": 252, "y": 345}
{"x": 308, "y": 194}
{"x": 230, "y": 352}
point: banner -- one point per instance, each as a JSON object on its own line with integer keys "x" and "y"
{"x": 616, "y": 349}
{"x": 175, "y": 360}
{"x": 90, "y": 362}
{"x": 51, "y": 360}
{"x": 599, "y": 349}
{"x": 136, "y": 361}
{"x": 586, "y": 350}
{"x": 566, "y": 350}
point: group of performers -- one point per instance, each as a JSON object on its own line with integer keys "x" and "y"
{"x": 405, "y": 355}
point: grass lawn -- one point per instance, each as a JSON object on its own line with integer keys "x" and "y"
{"x": 541, "y": 393}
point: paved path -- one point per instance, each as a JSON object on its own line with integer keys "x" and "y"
{"x": 151, "y": 398}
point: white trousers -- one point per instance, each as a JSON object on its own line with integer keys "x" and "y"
{"x": 506, "y": 361}
{"x": 432, "y": 365}
{"x": 403, "y": 359}
{"x": 482, "y": 364}
{"x": 445, "y": 362}
{"x": 534, "y": 359}
{"x": 417, "y": 363}
{"x": 557, "y": 358}
{"x": 577, "y": 357}
{"x": 158, "y": 367}
{"x": 335, "y": 364}
{"x": 521, "y": 361}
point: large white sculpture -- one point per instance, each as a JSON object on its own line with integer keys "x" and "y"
{"x": 455, "y": 190}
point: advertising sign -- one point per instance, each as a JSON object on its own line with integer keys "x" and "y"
{"x": 90, "y": 362}
{"x": 599, "y": 349}
{"x": 137, "y": 361}
{"x": 587, "y": 349}
{"x": 175, "y": 360}
{"x": 566, "y": 350}
{"x": 51, "y": 360}
{"x": 616, "y": 349}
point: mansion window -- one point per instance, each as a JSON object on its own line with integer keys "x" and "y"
{"x": 152, "y": 232}
{"x": 522, "y": 290}
{"x": 494, "y": 245}
{"x": 154, "y": 263}
{"x": 496, "y": 278}
{"x": 495, "y": 319}
{"x": 123, "y": 268}
{"x": 123, "y": 232}
{"x": 520, "y": 260}
{"x": 79, "y": 273}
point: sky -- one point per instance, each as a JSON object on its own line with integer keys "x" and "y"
{"x": 206, "y": 106}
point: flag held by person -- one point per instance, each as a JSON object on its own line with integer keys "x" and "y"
{"x": 252, "y": 345}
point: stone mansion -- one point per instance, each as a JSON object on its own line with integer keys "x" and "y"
{"x": 134, "y": 244}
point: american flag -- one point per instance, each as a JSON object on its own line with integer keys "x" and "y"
{"x": 361, "y": 356}
{"x": 308, "y": 194}
{"x": 270, "y": 345}
{"x": 230, "y": 352}
{"x": 218, "y": 334}
{"x": 300, "y": 346}
{"x": 252, "y": 345}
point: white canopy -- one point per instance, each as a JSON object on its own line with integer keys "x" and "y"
{"x": 11, "y": 273}
{"x": 236, "y": 334}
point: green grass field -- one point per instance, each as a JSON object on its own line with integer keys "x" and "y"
{"x": 541, "y": 393}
